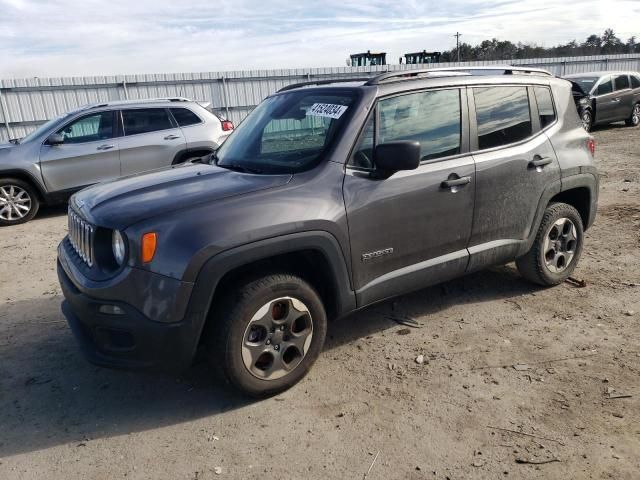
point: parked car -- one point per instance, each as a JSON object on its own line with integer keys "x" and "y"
{"x": 326, "y": 199}
{"x": 101, "y": 142}
{"x": 606, "y": 97}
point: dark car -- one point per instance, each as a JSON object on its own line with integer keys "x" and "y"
{"x": 607, "y": 97}
{"x": 326, "y": 199}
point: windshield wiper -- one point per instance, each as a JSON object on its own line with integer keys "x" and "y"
{"x": 240, "y": 168}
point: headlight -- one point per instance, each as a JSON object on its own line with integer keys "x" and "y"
{"x": 118, "y": 247}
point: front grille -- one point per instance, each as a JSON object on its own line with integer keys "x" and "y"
{"x": 81, "y": 235}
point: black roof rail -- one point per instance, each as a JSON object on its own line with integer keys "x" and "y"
{"x": 412, "y": 74}
{"x": 324, "y": 82}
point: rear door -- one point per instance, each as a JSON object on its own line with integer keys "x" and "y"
{"x": 88, "y": 155}
{"x": 411, "y": 229}
{"x": 624, "y": 96}
{"x": 151, "y": 139}
{"x": 514, "y": 163}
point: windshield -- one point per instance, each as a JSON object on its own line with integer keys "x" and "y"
{"x": 44, "y": 127}
{"x": 286, "y": 133}
{"x": 586, "y": 83}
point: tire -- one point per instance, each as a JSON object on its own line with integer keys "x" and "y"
{"x": 634, "y": 118}
{"x": 250, "y": 335}
{"x": 587, "y": 120}
{"x": 19, "y": 201}
{"x": 551, "y": 261}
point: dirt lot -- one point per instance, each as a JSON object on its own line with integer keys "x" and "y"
{"x": 367, "y": 406}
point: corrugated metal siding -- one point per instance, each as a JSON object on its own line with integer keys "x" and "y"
{"x": 30, "y": 102}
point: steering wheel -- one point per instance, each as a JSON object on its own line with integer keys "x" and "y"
{"x": 360, "y": 159}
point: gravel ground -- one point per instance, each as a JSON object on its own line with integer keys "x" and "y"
{"x": 366, "y": 406}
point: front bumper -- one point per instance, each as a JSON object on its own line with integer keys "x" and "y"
{"x": 130, "y": 340}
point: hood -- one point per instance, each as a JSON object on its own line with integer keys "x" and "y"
{"x": 123, "y": 202}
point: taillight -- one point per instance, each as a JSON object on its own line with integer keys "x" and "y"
{"x": 591, "y": 143}
{"x": 227, "y": 125}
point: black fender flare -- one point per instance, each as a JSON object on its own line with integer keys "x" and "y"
{"x": 579, "y": 180}
{"x": 217, "y": 266}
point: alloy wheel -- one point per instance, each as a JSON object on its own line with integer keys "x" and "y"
{"x": 15, "y": 203}
{"x": 560, "y": 245}
{"x": 635, "y": 116}
{"x": 586, "y": 121}
{"x": 277, "y": 338}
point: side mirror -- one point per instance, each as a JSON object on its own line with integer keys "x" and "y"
{"x": 55, "y": 139}
{"x": 392, "y": 157}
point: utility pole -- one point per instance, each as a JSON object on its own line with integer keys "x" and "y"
{"x": 458, "y": 35}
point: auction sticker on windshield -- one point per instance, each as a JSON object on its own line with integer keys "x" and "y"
{"x": 327, "y": 110}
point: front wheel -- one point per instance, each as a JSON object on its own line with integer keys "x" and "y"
{"x": 587, "y": 120}
{"x": 634, "y": 119}
{"x": 18, "y": 201}
{"x": 266, "y": 334}
{"x": 557, "y": 247}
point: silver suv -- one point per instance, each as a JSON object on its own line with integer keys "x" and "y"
{"x": 102, "y": 142}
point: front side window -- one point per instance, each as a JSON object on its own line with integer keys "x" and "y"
{"x": 362, "y": 156}
{"x": 545, "y": 106}
{"x": 432, "y": 118}
{"x": 503, "y": 115}
{"x": 605, "y": 87}
{"x": 90, "y": 128}
{"x": 622, "y": 82}
{"x": 145, "y": 120}
{"x": 286, "y": 133}
{"x": 635, "y": 81}
{"x": 185, "y": 117}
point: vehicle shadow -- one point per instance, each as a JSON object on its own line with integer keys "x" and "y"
{"x": 48, "y": 211}
{"x": 49, "y": 395}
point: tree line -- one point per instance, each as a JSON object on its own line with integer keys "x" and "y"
{"x": 606, "y": 44}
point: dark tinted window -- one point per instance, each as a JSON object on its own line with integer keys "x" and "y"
{"x": 545, "y": 106}
{"x": 185, "y": 117}
{"x": 431, "y": 118}
{"x": 90, "y": 128}
{"x": 503, "y": 115}
{"x": 605, "y": 87}
{"x": 145, "y": 120}
{"x": 622, "y": 82}
{"x": 635, "y": 82}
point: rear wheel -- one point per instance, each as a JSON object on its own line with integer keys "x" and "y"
{"x": 557, "y": 247}
{"x": 18, "y": 202}
{"x": 634, "y": 119}
{"x": 267, "y": 333}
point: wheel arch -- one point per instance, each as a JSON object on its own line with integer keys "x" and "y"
{"x": 28, "y": 178}
{"x": 314, "y": 256}
{"x": 182, "y": 155}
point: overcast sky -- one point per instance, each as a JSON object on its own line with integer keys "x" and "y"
{"x": 88, "y": 37}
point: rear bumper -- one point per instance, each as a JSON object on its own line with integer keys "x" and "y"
{"x": 129, "y": 340}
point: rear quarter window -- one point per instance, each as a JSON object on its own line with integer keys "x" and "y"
{"x": 503, "y": 115}
{"x": 185, "y": 117}
{"x": 544, "y": 101}
{"x": 635, "y": 81}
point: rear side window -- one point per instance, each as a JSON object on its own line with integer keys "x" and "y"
{"x": 635, "y": 82}
{"x": 90, "y": 128}
{"x": 605, "y": 87}
{"x": 545, "y": 106}
{"x": 503, "y": 115}
{"x": 185, "y": 117}
{"x": 145, "y": 120}
{"x": 432, "y": 118}
{"x": 622, "y": 82}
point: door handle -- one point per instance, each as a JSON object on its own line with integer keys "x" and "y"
{"x": 105, "y": 147}
{"x": 172, "y": 137}
{"x": 539, "y": 162}
{"x": 452, "y": 183}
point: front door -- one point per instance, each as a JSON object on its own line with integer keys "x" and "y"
{"x": 150, "y": 141}
{"x": 88, "y": 155}
{"x": 515, "y": 162}
{"x": 411, "y": 229}
{"x": 607, "y": 102}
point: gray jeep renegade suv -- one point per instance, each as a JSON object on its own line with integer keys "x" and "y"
{"x": 327, "y": 198}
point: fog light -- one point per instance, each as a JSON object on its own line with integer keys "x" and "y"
{"x": 111, "y": 310}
